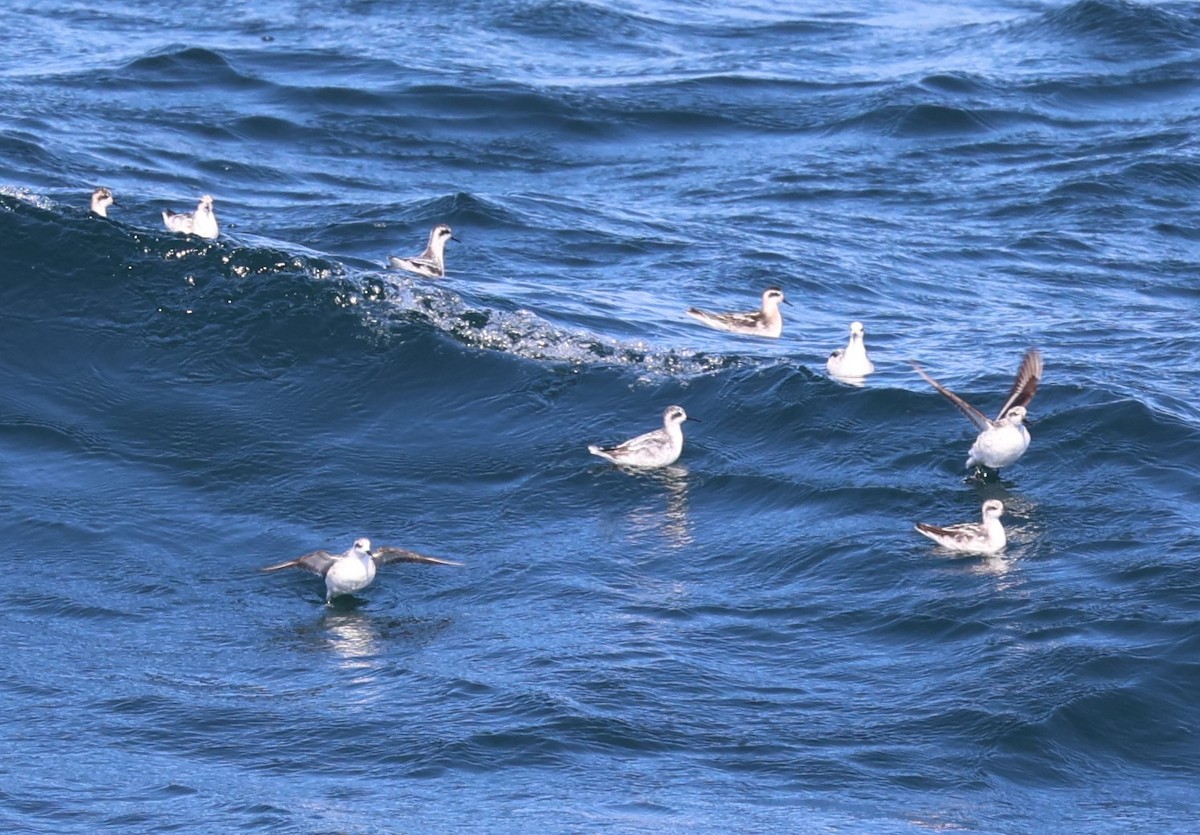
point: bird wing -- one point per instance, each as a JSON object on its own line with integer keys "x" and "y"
{"x": 727, "y": 321}
{"x": 386, "y": 554}
{"x": 651, "y": 440}
{"x": 1025, "y": 385}
{"x": 959, "y": 533}
{"x": 974, "y": 415}
{"x": 417, "y": 264}
{"x": 317, "y": 562}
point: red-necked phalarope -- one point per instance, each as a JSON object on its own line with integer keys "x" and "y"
{"x": 431, "y": 262}
{"x": 102, "y": 198}
{"x": 201, "y": 222}
{"x": 986, "y": 537}
{"x": 765, "y": 322}
{"x": 659, "y": 448}
{"x": 1005, "y": 439}
{"x": 353, "y": 570}
{"x": 851, "y": 363}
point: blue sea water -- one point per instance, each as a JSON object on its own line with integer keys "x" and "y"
{"x": 753, "y": 640}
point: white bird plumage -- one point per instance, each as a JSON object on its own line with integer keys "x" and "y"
{"x": 431, "y": 262}
{"x": 1001, "y": 441}
{"x": 202, "y": 222}
{"x": 102, "y": 198}
{"x": 659, "y": 448}
{"x": 354, "y": 569}
{"x": 984, "y": 537}
{"x": 767, "y": 321}
{"x": 851, "y": 363}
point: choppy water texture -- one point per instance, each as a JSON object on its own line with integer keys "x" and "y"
{"x": 754, "y": 640}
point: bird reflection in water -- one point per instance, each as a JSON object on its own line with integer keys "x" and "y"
{"x": 672, "y": 521}
{"x": 353, "y": 635}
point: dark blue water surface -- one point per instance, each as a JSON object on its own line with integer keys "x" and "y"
{"x": 753, "y": 640}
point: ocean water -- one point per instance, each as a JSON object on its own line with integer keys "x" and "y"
{"x": 753, "y": 640}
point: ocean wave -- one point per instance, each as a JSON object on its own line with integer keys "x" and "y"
{"x": 574, "y": 19}
{"x": 178, "y": 65}
{"x": 1122, "y": 28}
{"x": 527, "y": 335}
{"x": 273, "y": 299}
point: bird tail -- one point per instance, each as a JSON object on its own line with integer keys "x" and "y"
{"x": 931, "y": 531}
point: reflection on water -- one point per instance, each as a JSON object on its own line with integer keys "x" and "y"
{"x": 361, "y": 640}
{"x": 671, "y": 522}
{"x": 848, "y": 380}
{"x": 352, "y": 635}
{"x": 996, "y": 565}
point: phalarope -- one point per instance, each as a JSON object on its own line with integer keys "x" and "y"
{"x": 852, "y": 361}
{"x": 765, "y": 322}
{"x": 354, "y": 569}
{"x": 201, "y": 222}
{"x": 102, "y": 198}
{"x": 431, "y": 262}
{"x": 985, "y": 537}
{"x": 1005, "y": 439}
{"x": 659, "y": 448}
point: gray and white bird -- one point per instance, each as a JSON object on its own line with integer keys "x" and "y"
{"x": 353, "y": 570}
{"x": 767, "y": 321}
{"x": 202, "y": 222}
{"x": 659, "y": 448}
{"x": 985, "y": 537}
{"x": 851, "y": 363}
{"x": 102, "y": 198}
{"x": 1005, "y": 439}
{"x": 431, "y": 262}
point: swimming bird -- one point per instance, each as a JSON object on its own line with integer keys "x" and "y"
{"x": 659, "y": 448}
{"x": 431, "y": 262}
{"x": 102, "y": 198}
{"x": 765, "y": 322}
{"x": 1005, "y": 439}
{"x": 986, "y": 537}
{"x": 201, "y": 222}
{"x": 851, "y": 361}
{"x": 353, "y": 570}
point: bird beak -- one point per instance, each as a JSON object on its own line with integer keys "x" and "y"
{"x": 785, "y": 301}
{"x": 694, "y": 420}
{"x": 456, "y": 240}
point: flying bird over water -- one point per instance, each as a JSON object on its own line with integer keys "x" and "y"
{"x": 1005, "y": 439}
{"x": 353, "y": 570}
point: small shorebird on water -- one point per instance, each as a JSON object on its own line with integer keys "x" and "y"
{"x": 659, "y": 448}
{"x": 1005, "y": 439}
{"x": 354, "y": 569}
{"x": 767, "y": 321}
{"x": 431, "y": 262}
{"x": 985, "y": 537}
{"x": 202, "y": 222}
